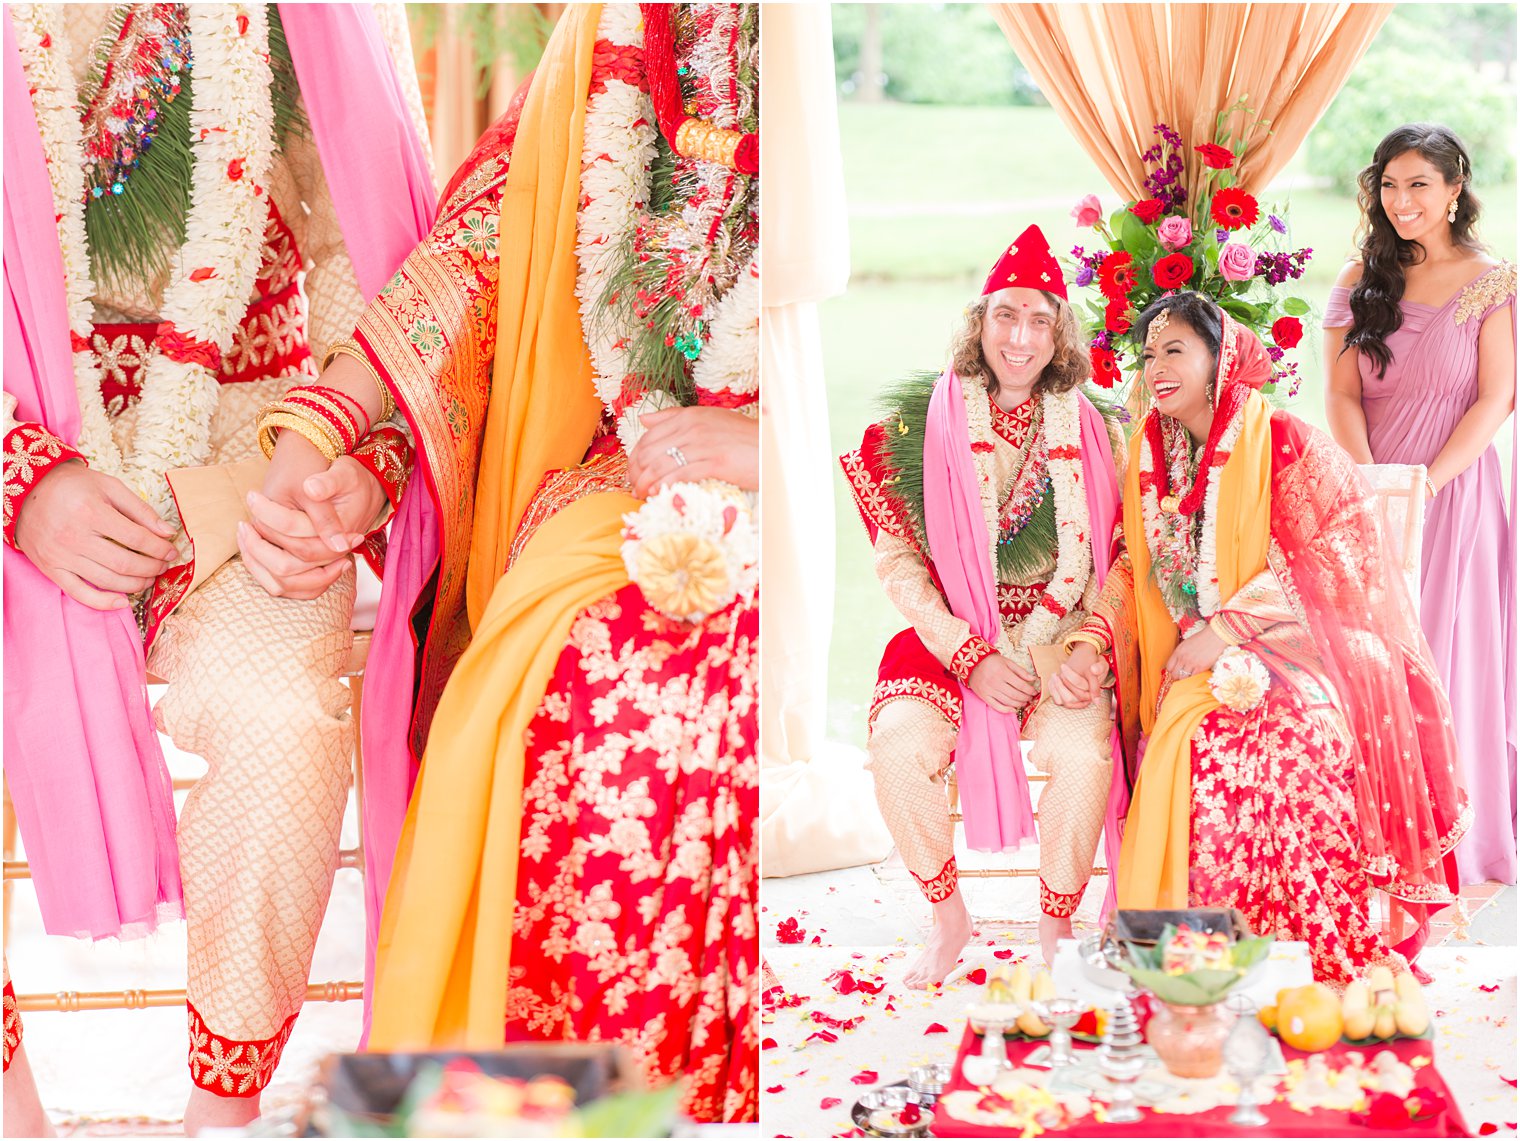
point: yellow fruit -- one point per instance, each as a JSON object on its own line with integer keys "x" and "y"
{"x": 1267, "y": 1016}
{"x": 1356, "y": 1010}
{"x": 1041, "y": 988}
{"x": 1386, "y": 1025}
{"x": 1379, "y": 979}
{"x": 1019, "y": 986}
{"x": 1309, "y": 1017}
{"x": 1411, "y": 1013}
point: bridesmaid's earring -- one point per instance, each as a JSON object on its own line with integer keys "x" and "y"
{"x": 1451, "y": 211}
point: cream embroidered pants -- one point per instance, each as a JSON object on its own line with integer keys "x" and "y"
{"x": 910, "y": 757}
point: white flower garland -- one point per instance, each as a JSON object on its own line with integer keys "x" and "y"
{"x": 1062, "y": 415}
{"x": 1207, "y": 574}
{"x": 232, "y": 152}
{"x": 687, "y": 534}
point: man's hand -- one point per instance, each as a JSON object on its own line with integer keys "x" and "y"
{"x": 1079, "y": 681}
{"x": 1195, "y": 655}
{"x": 1002, "y": 685}
{"x": 716, "y": 443}
{"x": 93, "y": 537}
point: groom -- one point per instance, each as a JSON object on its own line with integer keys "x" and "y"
{"x": 983, "y": 493}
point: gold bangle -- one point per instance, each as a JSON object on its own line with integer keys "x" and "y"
{"x": 334, "y": 408}
{"x": 1431, "y": 487}
{"x": 330, "y": 431}
{"x": 1081, "y": 639}
{"x": 279, "y": 418}
{"x": 1223, "y": 632}
{"x": 350, "y": 348}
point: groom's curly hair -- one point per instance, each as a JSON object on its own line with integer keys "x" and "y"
{"x": 1069, "y": 367}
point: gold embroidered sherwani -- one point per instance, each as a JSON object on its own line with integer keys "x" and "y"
{"x": 914, "y": 721}
{"x": 253, "y": 681}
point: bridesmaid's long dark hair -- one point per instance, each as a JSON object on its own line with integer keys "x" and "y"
{"x": 1375, "y": 313}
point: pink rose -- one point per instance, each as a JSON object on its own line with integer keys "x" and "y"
{"x": 1088, "y": 212}
{"x": 1175, "y": 232}
{"x": 1237, "y": 262}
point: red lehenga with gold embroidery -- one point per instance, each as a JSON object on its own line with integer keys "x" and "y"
{"x": 1343, "y": 778}
{"x": 635, "y": 916}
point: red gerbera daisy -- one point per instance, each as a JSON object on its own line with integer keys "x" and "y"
{"x": 1116, "y": 276}
{"x": 1117, "y": 316}
{"x": 1105, "y": 368}
{"x": 1234, "y": 209}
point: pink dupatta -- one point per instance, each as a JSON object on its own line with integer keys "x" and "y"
{"x": 92, "y": 792}
{"x": 989, "y": 763}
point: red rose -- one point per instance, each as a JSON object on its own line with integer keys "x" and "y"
{"x": 1116, "y": 276}
{"x": 1172, "y": 271}
{"x": 1105, "y": 368}
{"x": 1234, "y": 209}
{"x": 1220, "y": 158}
{"x": 1116, "y": 318}
{"x": 235, "y": 169}
{"x": 1148, "y": 210}
{"x": 1287, "y": 332}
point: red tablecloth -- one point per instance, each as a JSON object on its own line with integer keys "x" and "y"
{"x": 1282, "y": 1120}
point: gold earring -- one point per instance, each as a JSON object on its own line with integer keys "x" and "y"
{"x": 1451, "y": 211}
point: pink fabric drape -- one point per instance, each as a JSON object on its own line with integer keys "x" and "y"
{"x": 98, "y": 815}
{"x": 378, "y": 176}
{"x": 92, "y": 792}
{"x": 989, "y": 765}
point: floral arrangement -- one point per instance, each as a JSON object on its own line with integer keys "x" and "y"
{"x": 1239, "y": 681}
{"x": 693, "y": 548}
{"x": 1228, "y": 249}
{"x": 1191, "y": 968}
{"x": 670, "y": 293}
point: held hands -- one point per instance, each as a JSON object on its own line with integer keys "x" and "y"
{"x": 1079, "y": 681}
{"x": 1195, "y": 655}
{"x": 1003, "y": 685}
{"x": 95, "y": 539}
{"x": 716, "y": 443}
{"x": 307, "y": 520}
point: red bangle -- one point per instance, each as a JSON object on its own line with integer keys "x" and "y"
{"x": 345, "y": 427}
{"x": 341, "y": 395}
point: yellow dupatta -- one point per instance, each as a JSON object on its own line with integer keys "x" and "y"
{"x": 1153, "y": 860}
{"x": 446, "y": 936}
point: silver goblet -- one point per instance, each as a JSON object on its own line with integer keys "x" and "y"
{"x": 1246, "y": 1052}
{"x": 1062, "y": 1015}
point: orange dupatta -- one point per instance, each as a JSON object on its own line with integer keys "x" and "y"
{"x": 446, "y": 936}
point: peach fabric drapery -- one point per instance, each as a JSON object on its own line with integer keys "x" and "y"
{"x": 1113, "y": 71}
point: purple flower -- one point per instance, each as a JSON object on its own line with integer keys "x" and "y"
{"x": 1084, "y": 276}
{"x": 1221, "y": 236}
{"x": 1277, "y": 223}
{"x": 1274, "y": 352}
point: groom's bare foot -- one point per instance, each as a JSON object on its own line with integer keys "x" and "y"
{"x": 208, "y": 1111}
{"x": 1052, "y": 931}
{"x": 952, "y": 931}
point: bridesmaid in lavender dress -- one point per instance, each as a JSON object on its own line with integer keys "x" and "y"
{"x": 1420, "y": 355}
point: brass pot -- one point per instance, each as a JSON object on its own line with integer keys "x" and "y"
{"x": 1189, "y": 1040}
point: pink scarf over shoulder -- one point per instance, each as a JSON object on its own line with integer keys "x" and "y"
{"x": 86, "y": 773}
{"x": 989, "y": 763}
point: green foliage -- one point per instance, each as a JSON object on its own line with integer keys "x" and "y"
{"x": 952, "y": 54}
{"x": 515, "y": 31}
{"x": 1396, "y": 84}
{"x": 1192, "y": 988}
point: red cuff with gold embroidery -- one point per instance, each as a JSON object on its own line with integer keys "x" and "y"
{"x": 974, "y": 650}
{"x": 31, "y": 451}
{"x": 12, "y": 1024}
{"x": 942, "y": 886}
{"x": 1059, "y": 905}
{"x": 387, "y": 455}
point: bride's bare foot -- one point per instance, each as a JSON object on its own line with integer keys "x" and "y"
{"x": 952, "y": 931}
{"x": 1052, "y": 931}
{"x": 208, "y": 1111}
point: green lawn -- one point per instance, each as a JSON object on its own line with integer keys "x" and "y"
{"x": 935, "y": 193}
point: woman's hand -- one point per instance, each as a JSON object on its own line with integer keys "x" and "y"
{"x": 1002, "y": 685}
{"x": 1196, "y": 654}
{"x": 714, "y": 443}
{"x": 1079, "y": 681}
